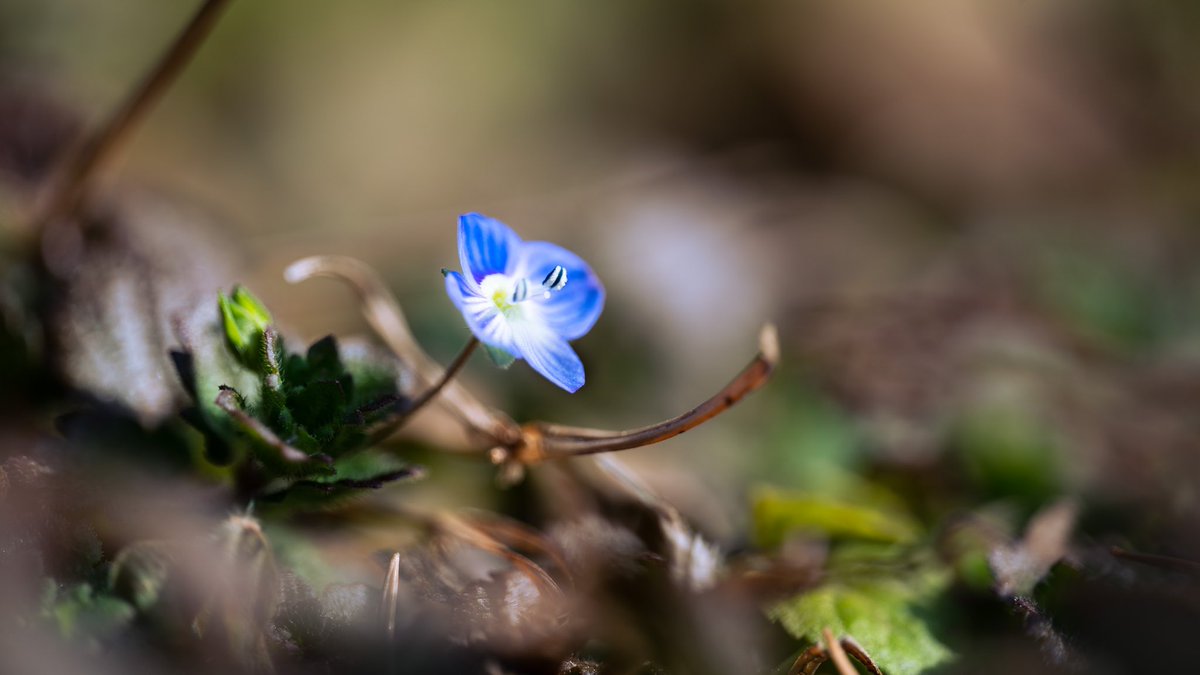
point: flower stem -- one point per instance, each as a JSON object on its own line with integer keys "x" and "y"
{"x": 70, "y": 187}
{"x": 384, "y": 314}
{"x": 563, "y": 441}
{"x": 385, "y": 429}
{"x": 451, "y": 370}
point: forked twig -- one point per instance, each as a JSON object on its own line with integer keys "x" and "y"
{"x": 69, "y": 187}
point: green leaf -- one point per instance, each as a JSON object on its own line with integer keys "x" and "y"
{"x": 778, "y": 514}
{"x": 212, "y": 366}
{"x": 879, "y": 616}
{"x": 80, "y": 613}
{"x": 323, "y": 359}
{"x": 294, "y": 413}
{"x": 501, "y": 358}
{"x": 319, "y": 404}
{"x": 355, "y": 476}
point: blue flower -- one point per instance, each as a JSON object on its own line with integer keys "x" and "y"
{"x": 525, "y": 298}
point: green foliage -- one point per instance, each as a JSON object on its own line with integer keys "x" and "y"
{"x": 778, "y": 514}
{"x": 878, "y": 616}
{"x": 872, "y": 588}
{"x": 879, "y": 610}
{"x": 351, "y": 476}
{"x": 79, "y": 612}
{"x": 813, "y": 443}
{"x": 244, "y": 318}
{"x": 294, "y": 414}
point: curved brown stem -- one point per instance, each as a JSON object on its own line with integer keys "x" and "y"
{"x": 69, "y": 188}
{"x": 385, "y": 429}
{"x": 451, "y": 370}
{"x": 1189, "y": 567}
{"x": 859, "y": 654}
{"x": 546, "y": 441}
{"x": 809, "y": 661}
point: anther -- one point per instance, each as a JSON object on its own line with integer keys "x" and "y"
{"x": 556, "y": 279}
{"x": 520, "y": 291}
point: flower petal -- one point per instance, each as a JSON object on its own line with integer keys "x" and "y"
{"x": 457, "y": 288}
{"x": 572, "y": 311}
{"x": 548, "y": 354}
{"x": 482, "y": 316}
{"x": 485, "y": 246}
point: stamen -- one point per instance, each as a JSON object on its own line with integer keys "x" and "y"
{"x": 556, "y": 279}
{"x": 520, "y": 291}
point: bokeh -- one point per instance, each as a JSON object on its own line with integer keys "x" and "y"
{"x": 975, "y": 225}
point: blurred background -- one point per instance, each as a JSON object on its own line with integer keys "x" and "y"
{"x": 975, "y": 223}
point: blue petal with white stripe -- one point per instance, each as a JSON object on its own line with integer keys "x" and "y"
{"x": 529, "y": 299}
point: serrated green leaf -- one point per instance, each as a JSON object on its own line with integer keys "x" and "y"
{"x": 355, "y": 476}
{"x": 213, "y": 366}
{"x": 778, "y": 514}
{"x": 323, "y": 359}
{"x": 879, "y": 616}
{"x": 294, "y": 413}
{"x": 501, "y": 358}
{"x": 319, "y": 404}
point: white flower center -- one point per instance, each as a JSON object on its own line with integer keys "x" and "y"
{"x": 507, "y": 293}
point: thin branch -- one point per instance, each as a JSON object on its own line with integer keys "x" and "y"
{"x": 460, "y": 528}
{"x": 516, "y": 535}
{"x": 1182, "y": 565}
{"x": 809, "y": 661}
{"x": 69, "y": 188}
{"x": 554, "y": 441}
{"x": 859, "y": 654}
{"x": 382, "y": 311}
{"x": 837, "y": 654}
{"x": 384, "y": 430}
